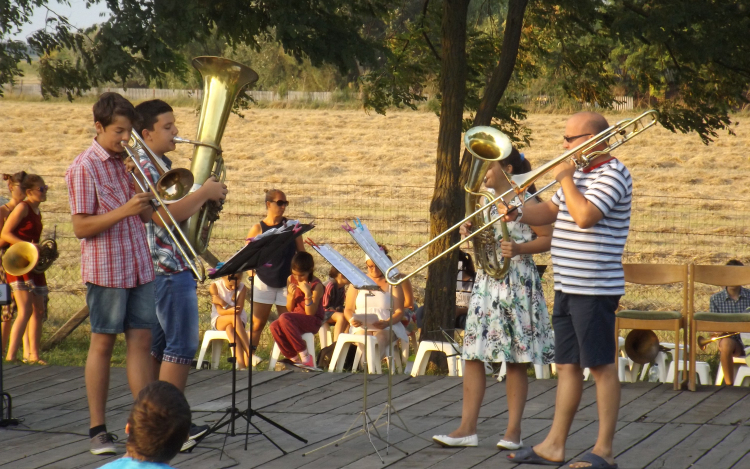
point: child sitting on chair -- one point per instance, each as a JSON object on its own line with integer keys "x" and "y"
{"x": 224, "y": 310}
{"x": 304, "y": 302}
{"x": 333, "y": 302}
{"x": 158, "y": 425}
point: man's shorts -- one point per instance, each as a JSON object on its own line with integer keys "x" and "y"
{"x": 174, "y": 338}
{"x": 584, "y": 329}
{"x": 115, "y": 310}
{"x": 264, "y": 294}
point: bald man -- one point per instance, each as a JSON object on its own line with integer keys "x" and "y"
{"x": 591, "y": 212}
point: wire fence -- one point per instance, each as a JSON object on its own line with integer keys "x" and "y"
{"x": 663, "y": 230}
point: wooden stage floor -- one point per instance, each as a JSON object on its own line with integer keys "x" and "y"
{"x": 657, "y": 427}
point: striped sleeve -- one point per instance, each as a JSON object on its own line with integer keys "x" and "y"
{"x": 607, "y": 190}
{"x": 557, "y": 198}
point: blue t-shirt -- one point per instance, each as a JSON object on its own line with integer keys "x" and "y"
{"x": 130, "y": 463}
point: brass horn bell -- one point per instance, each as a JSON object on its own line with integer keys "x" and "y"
{"x": 642, "y": 346}
{"x": 20, "y": 259}
{"x": 175, "y": 184}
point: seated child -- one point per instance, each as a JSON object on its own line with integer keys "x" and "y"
{"x": 333, "y": 302}
{"x": 223, "y": 311}
{"x": 304, "y": 302}
{"x": 158, "y": 425}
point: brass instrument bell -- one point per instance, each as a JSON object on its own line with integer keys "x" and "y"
{"x": 642, "y": 346}
{"x": 20, "y": 259}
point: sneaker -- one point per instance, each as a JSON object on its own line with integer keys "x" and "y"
{"x": 103, "y": 443}
{"x": 188, "y": 445}
{"x": 308, "y": 364}
{"x": 197, "y": 431}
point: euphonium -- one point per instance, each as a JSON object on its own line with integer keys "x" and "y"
{"x": 486, "y": 145}
{"x": 25, "y": 257}
{"x": 48, "y": 253}
{"x": 222, "y": 81}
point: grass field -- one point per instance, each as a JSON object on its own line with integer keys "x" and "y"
{"x": 690, "y": 199}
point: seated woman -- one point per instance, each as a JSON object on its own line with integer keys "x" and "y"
{"x": 304, "y": 302}
{"x": 379, "y": 304}
{"x": 224, "y": 310}
{"x": 333, "y": 302}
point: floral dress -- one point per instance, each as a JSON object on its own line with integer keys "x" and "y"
{"x": 508, "y": 319}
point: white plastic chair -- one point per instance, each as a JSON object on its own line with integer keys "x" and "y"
{"x": 309, "y": 340}
{"x": 213, "y": 338}
{"x": 740, "y": 372}
{"x": 325, "y": 335}
{"x": 701, "y": 368}
{"x": 426, "y": 347}
{"x": 400, "y": 356}
{"x": 345, "y": 341}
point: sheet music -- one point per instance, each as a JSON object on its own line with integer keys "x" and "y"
{"x": 365, "y": 240}
{"x": 343, "y": 265}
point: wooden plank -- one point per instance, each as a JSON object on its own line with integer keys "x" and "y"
{"x": 730, "y": 451}
{"x": 541, "y": 395}
{"x": 19, "y": 384}
{"x": 628, "y": 394}
{"x": 692, "y": 448}
{"x": 588, "y": 397}
{"x": 679, "y": 404}
{"x": 631, "y": 434}
{"x": 658, "y": 443}
{"x": 426, "y": 392}
{"x": 637, "y": 409}
{"x": 19, "y": 448}
{"x": 737, "y": 414}
{"x": 378, "y": 391}
{"x": 492, "y": 391}
{"x": 310, "y": 400}
{"x": 52, "y": 455}
{"x": 65, "y": 330}
{"x": 712, "y": 406}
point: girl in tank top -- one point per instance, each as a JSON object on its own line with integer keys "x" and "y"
{"x": 223, "y": 312}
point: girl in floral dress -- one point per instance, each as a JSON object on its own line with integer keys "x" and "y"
{"x": 507, "y": 319}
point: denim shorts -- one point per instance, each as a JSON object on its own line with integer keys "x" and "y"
{"x": 115, "y": 310}
{"x": 584, "y": 329}
{"x": 175, "y": 335}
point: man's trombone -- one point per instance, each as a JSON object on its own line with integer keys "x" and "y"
{"x": 582, "y": 155}
{"x": 172, "y": 186}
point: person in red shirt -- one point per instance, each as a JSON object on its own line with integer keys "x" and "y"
{"x": 108, "y": 217}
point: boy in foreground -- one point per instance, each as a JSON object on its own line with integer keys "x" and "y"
{"x": 591, "y": 212}
{"x": 157, "y": 427}
{"x": 175, "y": 335}
{"x": 108, "y": 218}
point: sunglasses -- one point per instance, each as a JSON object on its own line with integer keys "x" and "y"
{"x": 574, "y": 137}
{"x": 280, "y": 203}
{"x": 43, "y": 189}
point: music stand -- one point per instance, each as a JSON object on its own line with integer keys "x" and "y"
{"x": 256, "y": 253}
{"x": 5, "y": 300}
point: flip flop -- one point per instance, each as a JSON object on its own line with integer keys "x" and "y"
{"x": 597, "y": 462}
{"x": 527, "y": 455}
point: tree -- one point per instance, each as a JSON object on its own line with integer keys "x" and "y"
{"x": 686, "y": 58}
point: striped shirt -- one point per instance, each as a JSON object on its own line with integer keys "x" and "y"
{"x": 167, "y": 258}
{"x": 118, "y": 257}
{"x": 589, "y": 261}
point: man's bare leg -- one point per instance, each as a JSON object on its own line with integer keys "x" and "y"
{"x": 608, "y": 406}
{"x": 569, "y": 389}
{"x": 139, "y": 361}
{"x": 175, "y": 373}
{"x": 728, "y": 349}
{"x": 97, "y": 375}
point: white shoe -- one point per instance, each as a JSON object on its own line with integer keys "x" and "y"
{"x": 447, "y": 441}
{"x": 509, "y": 445}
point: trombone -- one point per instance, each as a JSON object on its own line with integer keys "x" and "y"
{"x": 171, "y": 187}
{"x": 582, "y": 155}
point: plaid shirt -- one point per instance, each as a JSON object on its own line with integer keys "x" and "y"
{"x": 167, "y": 259}
{"x": 722, "y": 303}
{"x": 117, "y": 257}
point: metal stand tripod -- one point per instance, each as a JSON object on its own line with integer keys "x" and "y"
{"x": 232, "y": 413}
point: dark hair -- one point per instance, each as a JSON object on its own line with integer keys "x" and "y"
{"x": 467, "y": 263}
{"x": 734, "y": 262}
{"x": 385, "y": 251}
{"x": 520, "y": 165}
{"x": 30, "y": 181}
{"x": 110, "y": 105}
{"x": 16, "y": 178}
{"x": 159, "y": 422}
{"x": 334, "y": 272}
{"x": 271, "y": 194}
{"x": 148, "y": 112}
{"x": 304, "y": 262}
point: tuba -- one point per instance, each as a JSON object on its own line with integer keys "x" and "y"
{"x": 24, "y": 257}
{"x": 222, "y": 81}
{"x": 486, "y": 145}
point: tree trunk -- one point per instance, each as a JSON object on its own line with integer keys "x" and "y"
{"x": 447, "y": 201}
{"x": 503, "y": 72}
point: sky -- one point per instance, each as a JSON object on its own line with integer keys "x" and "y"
{"x": 77, "y": 14}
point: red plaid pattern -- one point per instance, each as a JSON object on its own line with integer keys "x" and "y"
{"x": 118, "y": 257}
